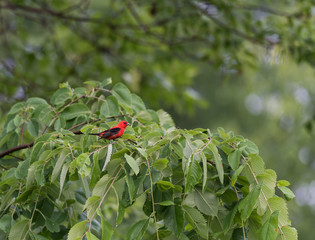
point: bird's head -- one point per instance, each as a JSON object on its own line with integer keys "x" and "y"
{"x": 123, "y": 124}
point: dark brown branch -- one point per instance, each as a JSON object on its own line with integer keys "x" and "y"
{"x": 17, "y": 148}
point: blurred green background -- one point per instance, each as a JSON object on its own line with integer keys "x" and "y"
{"x": 246, "y": 66}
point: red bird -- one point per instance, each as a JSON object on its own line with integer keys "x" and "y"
{"x": 114, "y": 132}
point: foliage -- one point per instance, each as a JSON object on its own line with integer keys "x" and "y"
{"x": 160, "y": 181}
{"x": 154, "y": 46}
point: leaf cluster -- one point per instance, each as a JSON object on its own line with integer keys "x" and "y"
{"x": 155, "y": 182}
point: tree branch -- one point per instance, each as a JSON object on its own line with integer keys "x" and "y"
{"x": 17, "y": 148}
{"x": 76, "y": 132}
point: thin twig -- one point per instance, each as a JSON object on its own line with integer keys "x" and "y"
{"x": 80, "y": 124}
{"x": 30, "y": 224}
{"x": 152, "y": 196}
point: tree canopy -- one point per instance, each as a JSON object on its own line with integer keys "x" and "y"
{"x": 155, "y": 46}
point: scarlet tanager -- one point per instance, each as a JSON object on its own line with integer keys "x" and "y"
{"x": 114, "y": 132}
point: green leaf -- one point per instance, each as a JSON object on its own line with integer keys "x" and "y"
{"x": 107, "y": 229}
{"x": 31, "y": 176}
{"x": 18, "y": 107}
{"x": 22, "y": 169}
{"x": 256, "y": 166}
{"x": 63, "y": 176}
{"x": 193, "y": 176}
{"x": 236, "y": 174}
{"x": 290, "y": 233}
{"x": 137, "y": 230}
{"x": 142, "y": 152}
{"x": 174, "y": 219}
{"x": 33, "y": 127}
{"x": 101, "y": 186}
{"x": 77, "y": 230}
{"x": 164, "y": 185}
{"x": 60, "y": 96}
{"x": 283, "y": 183}
{"x": 196, "y": 219}
{"x": 75, "y": 110}
{"x": 106, "y": 82}
{"x": 59, "y": 124}
{"x": 166, "y": 203}
{"x": 19, "y": 230}
{"x": 137, "y": 103}
{"x": 59, "y": 164}
{"x": 36, "y": 101}
{"x": 268, "y": 180}
{"x": 217, "y": 161}
{"x": 132, "y": 163}
{"x": 92, "y": 83}
{"x": 277, "y": 203}
{"x": 120, "y": 213}
{"x": 123, "y": 95}
{"x": 269, "y": 230}
{"x": 234, "y": 159}
{"x": 108, "y": 156}
{"x": 250, "y": 147}
{"x": 91, "y": 205}
{"x": 110, "y": 107}
{"x": 5, "y": 223}
{"x": 222, "y": 133}
{"x": 228, "y": 220}
{"x": 83, "y": 164}
{"x": 160, "y": 164}
{"x": 207, "y": 202}
{"x": 40, "y": 175}
{"x": 205, "y": 170}
{"x": 96, "y": 171}
{"x": 288, "y": 194}
{"x": 91, "y": 236}
{"x": 166, "y": 120}
{"x": 247, "y": 204}
{"x": 36, "y": 150}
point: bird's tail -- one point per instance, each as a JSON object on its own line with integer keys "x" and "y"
{"x": 97, "y": 134}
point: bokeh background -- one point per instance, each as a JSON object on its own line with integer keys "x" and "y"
{"x": 246, "y": 66}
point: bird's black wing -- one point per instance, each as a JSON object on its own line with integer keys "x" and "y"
{"x": 109, "y": 132}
